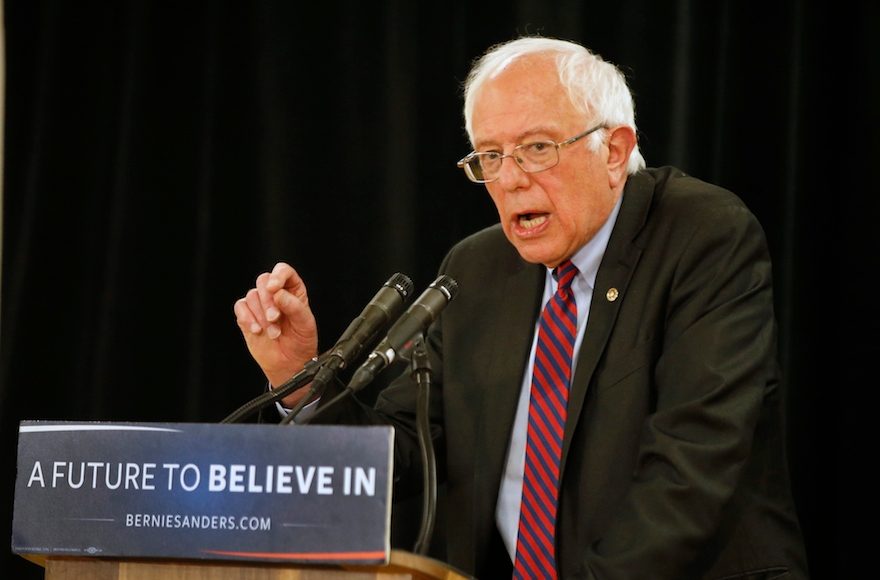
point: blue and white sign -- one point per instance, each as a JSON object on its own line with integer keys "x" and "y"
{"x": 244, "y": 492}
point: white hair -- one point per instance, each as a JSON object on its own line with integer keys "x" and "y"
{"x": 597, "y": 88}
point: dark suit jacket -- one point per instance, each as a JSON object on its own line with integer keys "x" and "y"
{"x": 673, "y": 461}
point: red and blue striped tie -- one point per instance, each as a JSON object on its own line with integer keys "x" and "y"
{"x": 535, "y": 547}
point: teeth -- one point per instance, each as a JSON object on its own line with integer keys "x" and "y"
{"x": 529, "y": 222}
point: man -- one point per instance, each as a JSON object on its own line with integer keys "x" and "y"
{"x": 638, "y": 302}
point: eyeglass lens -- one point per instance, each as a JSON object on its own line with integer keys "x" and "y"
{"x": 531, "y": 157}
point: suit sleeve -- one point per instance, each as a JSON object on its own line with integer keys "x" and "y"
{"x": 715, "y": 369}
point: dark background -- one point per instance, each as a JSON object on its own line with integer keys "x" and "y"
{"x": 160, "y": 154}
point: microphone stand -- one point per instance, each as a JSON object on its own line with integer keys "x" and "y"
{"x": 420, "y": 370}
{"x": 324, "y": 375}
{"x": 298, "y": 380}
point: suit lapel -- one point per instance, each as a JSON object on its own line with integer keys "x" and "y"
{"x": 514, "y": 320}
{"x": 615, "y": 271}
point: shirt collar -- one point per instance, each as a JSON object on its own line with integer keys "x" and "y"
{"x": 589, "y": 257}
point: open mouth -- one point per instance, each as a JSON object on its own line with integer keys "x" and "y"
{"x": 531, "y": 220}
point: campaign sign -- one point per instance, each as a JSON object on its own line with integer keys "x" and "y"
{"x": 308, "y": 494}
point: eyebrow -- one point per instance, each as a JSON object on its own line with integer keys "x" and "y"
{"x": 518, "y": 139}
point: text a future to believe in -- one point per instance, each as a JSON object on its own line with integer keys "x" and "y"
{"x": 235, "y": 478}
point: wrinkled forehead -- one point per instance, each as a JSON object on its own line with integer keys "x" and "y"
{"x": 532, "y": 79}
{"x": 505, "y": 64}
{"x": 544, "y": 62}
{"x": 527, "y": 78}
{"x": 522, "y": 84}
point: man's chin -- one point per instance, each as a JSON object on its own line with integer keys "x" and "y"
{"x": 534, "y": 253}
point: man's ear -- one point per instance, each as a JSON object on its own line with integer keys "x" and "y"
{"x": 621, "y": 142}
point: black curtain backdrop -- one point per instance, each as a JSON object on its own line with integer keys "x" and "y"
{"x": 160, "y": 154}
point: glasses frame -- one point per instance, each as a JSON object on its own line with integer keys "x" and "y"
{"x": 465, "y": 161}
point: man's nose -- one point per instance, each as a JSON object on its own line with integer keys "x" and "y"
{"x": 511, "y": 176}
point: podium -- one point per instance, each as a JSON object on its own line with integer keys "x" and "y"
{"x": 114, "y": 501}
{"x": 402, "y": 565}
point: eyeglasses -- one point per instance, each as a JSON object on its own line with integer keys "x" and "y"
{"x": 485, "y": 166}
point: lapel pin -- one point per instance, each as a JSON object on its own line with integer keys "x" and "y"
{"x": 612, "y": 294}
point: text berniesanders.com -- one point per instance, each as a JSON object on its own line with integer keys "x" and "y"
{"x": 246, "y": 523}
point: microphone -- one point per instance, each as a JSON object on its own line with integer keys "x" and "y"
{"x": 409, "y": 326}
{"x": 385, "y": 306}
